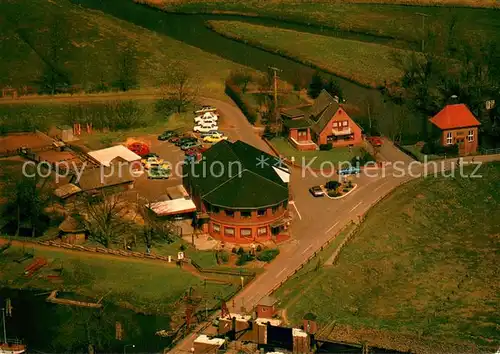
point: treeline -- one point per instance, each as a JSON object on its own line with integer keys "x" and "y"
{"x": 113, "y": 115}
{"x": 453, "y": 70}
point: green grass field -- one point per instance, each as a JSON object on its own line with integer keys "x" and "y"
{"x": 322, "y": 159}
{"x": 366, "y": 63}
{"x": 397, "y": 21}
{"x": 421, "y": 272}
{"x": 142, "y": 286}
{"x": 91, "y": 46}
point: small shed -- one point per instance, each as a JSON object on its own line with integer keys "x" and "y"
{"x": 205, "y": 344}
{"x": 266, "y": 308}
{"x": 72, "y": 230}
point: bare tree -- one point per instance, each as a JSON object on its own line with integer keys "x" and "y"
{"x": 127, "y": 69}
{"x": 104, "y": 217}
{"x": 154, "y": 228}
{"x": 241, "y": 78}
{"x": 182, "y": 88}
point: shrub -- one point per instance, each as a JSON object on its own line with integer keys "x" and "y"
{"x": 236, "y": 95}
{"x": 224, "y": 257}
{"x": 345, "y": 190}
{"x": 268, "y": 255}
{"x": 363, "y": 159}
{"x": 182, "y": 247}
{"x": 234, "y": 250}
{"x": 332, "y": 185}
{"x": 325, "y": 147}
{"x": 333, "y": 193}
{"x": 259, "y": 248}
{"x": 240, "y": 251}
{"x": 244, "y": 258}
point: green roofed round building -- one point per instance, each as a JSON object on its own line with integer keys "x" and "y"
{"x": 241, "y": 193}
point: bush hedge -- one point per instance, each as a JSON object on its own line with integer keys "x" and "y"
{"x": 325, "y": 147}
{"x": 236, "y": 95}
{"x": 435, "y": 148}
{"x": 268, "y": 255}
{"x": 244, "y": 258}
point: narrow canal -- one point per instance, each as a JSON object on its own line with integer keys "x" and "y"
{"x": 191, "y": 29}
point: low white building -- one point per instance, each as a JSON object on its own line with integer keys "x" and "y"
{"x": 118, "y": 153}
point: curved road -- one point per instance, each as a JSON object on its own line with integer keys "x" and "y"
{"x": 316, "y": 220}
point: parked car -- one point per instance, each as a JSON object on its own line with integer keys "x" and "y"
{"x": 185, "y": 139}
{"x": 167, "y": 134}
{"x": 201, "y": 129}
{"x": 316, "y": 191}
{"x": 214, "y": 138}
{"x": 210, "y": 133}
{"x": 190, "y": 158}
{"x": 192, "y": 151}
{"x": 349, "y": 171}
{"x": 376, "y": 141}
{"x": 151, "y": 154}
{"x": 150, "y": 161}
{"x": 205, "y": 109}
{"x": 158, "y": 173}
{"x": 207, "y": 116}
{"x": 189, "y": 145}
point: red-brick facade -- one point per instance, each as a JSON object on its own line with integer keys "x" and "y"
{"x": 245, "y": 226}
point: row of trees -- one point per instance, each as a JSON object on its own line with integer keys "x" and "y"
{"x": 469, "y": 70}
{"x": 108, "y": 218}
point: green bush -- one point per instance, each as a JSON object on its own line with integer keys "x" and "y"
{"x": 236, "y": 95}
{"x": 325, "y": 147}
{"x": 259, "y": 248}
{"x": 333, "y": 193}
{"x": 244, "y": 258}
{"x": 332, "y": 185}
{"x": 435, "y": 148}
{"x": 224, "y": 256}
{"x": 268, "y": 255}
{"x": 240, "y": 251}
{"x": 363, "y": 159}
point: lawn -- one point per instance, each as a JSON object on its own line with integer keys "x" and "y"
{"x": 142, "y": 286}
{"x": 421, "y": 274}
{"x": 416, "y": 151}
{"x": 92, "y": 43}
{"x": 388, "y": 20}
{"x": 366, "y": 63}
{"x": 322, "y": 159}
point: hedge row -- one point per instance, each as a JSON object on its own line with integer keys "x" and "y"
{"x": 236, "y": 95}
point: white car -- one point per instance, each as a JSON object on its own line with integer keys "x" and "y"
{"x": 206, "y": 117}
{"x": 205, "y": 109}
{"x": 201, "y": 129}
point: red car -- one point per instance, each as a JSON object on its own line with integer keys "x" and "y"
{"x": 375, "y": 141}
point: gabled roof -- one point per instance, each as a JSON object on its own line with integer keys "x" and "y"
{"x": 237, "y": 175}
{"x": 454, "y": 116}
{"x": 325, "y": 117}
{"x": 292, "y": 113}
{"x": 298, "y": 123}
{"x": 96, "y": 178}
{"x": 321, "y": 103}
{"x": 106, "y": 156}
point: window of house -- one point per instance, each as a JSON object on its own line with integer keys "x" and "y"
{"x": 246, "y": 214}
{"x": 345, "y": 123}
{"x": 470, "y": 136}
{"x": 229, "y": 212}
{"x": 261, "y": 212}
{"x": 215, "y": 209}
{"x": 246, "y": 232}
{"x": 262, "y": 231}
{"x": 335, "y": 124}
{"x": 229, "y": 231}
{"x": 275, "y": 209}
{"x": 302, "y": 132}
{"x": 449, "y": 138}
{"x": 216, "y": 228}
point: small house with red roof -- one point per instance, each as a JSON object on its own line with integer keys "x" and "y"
{"x": 324, "y": 122}
{"x": 457, "y": 126}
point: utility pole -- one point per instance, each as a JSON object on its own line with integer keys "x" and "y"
{"x": 276, "y": 112}
{"x": 423, "y": 28}
{"x": 4, "y": 327}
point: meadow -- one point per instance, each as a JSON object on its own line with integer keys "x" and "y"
{"x": 420, "y": 274}
{"x": 366, "y": 63}
{"x": 394, "y": 19}
{"x": 90, "y": 46}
